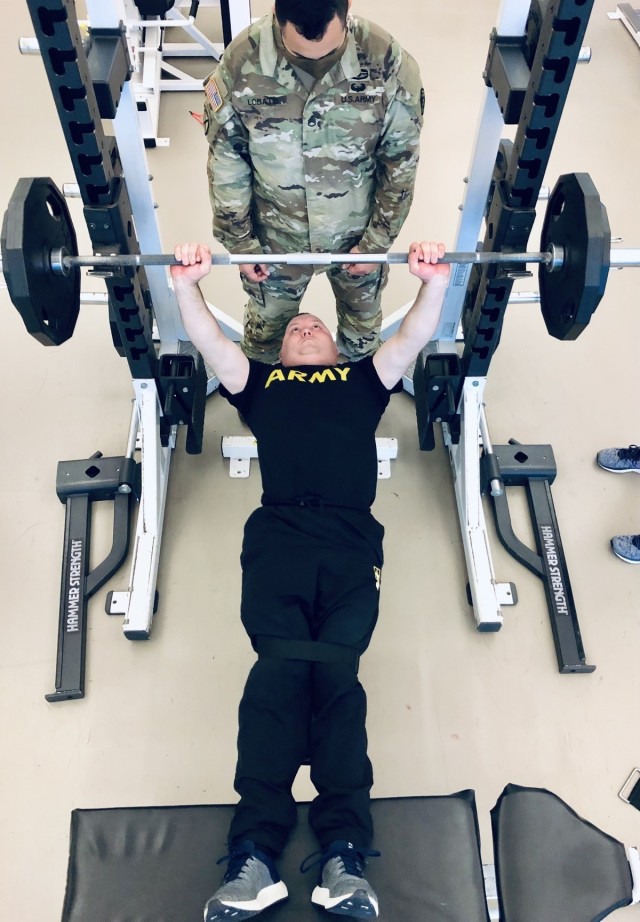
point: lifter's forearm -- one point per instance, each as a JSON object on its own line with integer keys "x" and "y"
{"x": 421, "y": 320}
{"x": 198, "y": 320}
{"x": 420, "y": 323}
{"x": 219, "y": 352}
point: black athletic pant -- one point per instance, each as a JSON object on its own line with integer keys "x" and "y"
{"x": 308, "y": 574}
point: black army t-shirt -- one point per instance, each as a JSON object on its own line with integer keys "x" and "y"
{"x": 315, "y": 427}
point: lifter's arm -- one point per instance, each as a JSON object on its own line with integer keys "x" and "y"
{"x": 421, "y": 321}
{"x": 223, "y": 355}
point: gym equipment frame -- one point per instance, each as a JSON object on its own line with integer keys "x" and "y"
{"x": 139, "y": 304}
{"x": 629, "y": 16}
{"x": 529, "y": 49}
{"x": 149, "y": 51}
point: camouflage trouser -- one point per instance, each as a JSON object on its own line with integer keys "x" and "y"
{"x": 274, "y": 302}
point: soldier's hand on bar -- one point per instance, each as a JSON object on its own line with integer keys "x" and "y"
{"x": 255, "y": 272}
{"x": 360, "y": 268}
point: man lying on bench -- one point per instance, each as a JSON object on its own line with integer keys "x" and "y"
{"x": 311, "y": 572}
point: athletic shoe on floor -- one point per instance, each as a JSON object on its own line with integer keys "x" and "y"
{"x": 343, "y": 888}
{"x": 251, "y": 884}
{"x": 620, "y": 460}
{"x": 626, "y": 547}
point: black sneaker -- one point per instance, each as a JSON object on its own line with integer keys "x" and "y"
{"x": 343, "y": 888}
{"x": 251, "y": 884}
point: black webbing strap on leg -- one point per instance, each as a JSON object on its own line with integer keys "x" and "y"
{"x": 315, "y": 651}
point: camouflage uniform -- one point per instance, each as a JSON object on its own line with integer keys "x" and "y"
{"x": 319, "y": 170}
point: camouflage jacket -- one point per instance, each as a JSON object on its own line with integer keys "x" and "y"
{"x": 312, "y": 171}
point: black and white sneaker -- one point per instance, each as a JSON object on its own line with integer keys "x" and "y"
{"x": 620, "y": 460}
{"x": 343, "y": 888}
{"x": 626, "y": 547}
{"x": 251, "y": 884}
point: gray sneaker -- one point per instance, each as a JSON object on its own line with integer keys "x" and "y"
{"x": 626, "y": 547}
{"x": 620, "y": 460}
{"x": 251, "y": 884}
{"x": 343, "y": 888}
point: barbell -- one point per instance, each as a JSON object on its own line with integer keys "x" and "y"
{"x": 62, "y": 262}
{"x": 42, "y": 267}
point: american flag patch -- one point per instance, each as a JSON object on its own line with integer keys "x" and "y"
{"x": 213, "y": 94}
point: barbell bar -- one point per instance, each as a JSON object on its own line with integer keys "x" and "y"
{"x": 61, "y": 262}
{"x": 40, "y": 263}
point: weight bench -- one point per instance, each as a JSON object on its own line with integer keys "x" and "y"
{"x": 158, "y": 864}
{"x": 553, "y": 866}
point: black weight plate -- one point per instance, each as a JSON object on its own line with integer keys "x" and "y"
{"x": 154, "y": 7}
{"x": 426, "y": 434}
{"x": 575, "y": 220}
{"x": 37, "y": 221}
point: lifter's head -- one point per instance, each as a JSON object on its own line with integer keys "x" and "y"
{"x": 312, "y": 29}
{"x": 307, "y": 341}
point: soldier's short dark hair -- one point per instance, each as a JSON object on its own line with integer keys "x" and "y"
{"x": 310, "y": 17}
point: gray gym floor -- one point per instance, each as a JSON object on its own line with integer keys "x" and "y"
{"x": 449, "y": 708}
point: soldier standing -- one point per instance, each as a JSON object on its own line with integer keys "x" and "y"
{"x": 313, "y": 120}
